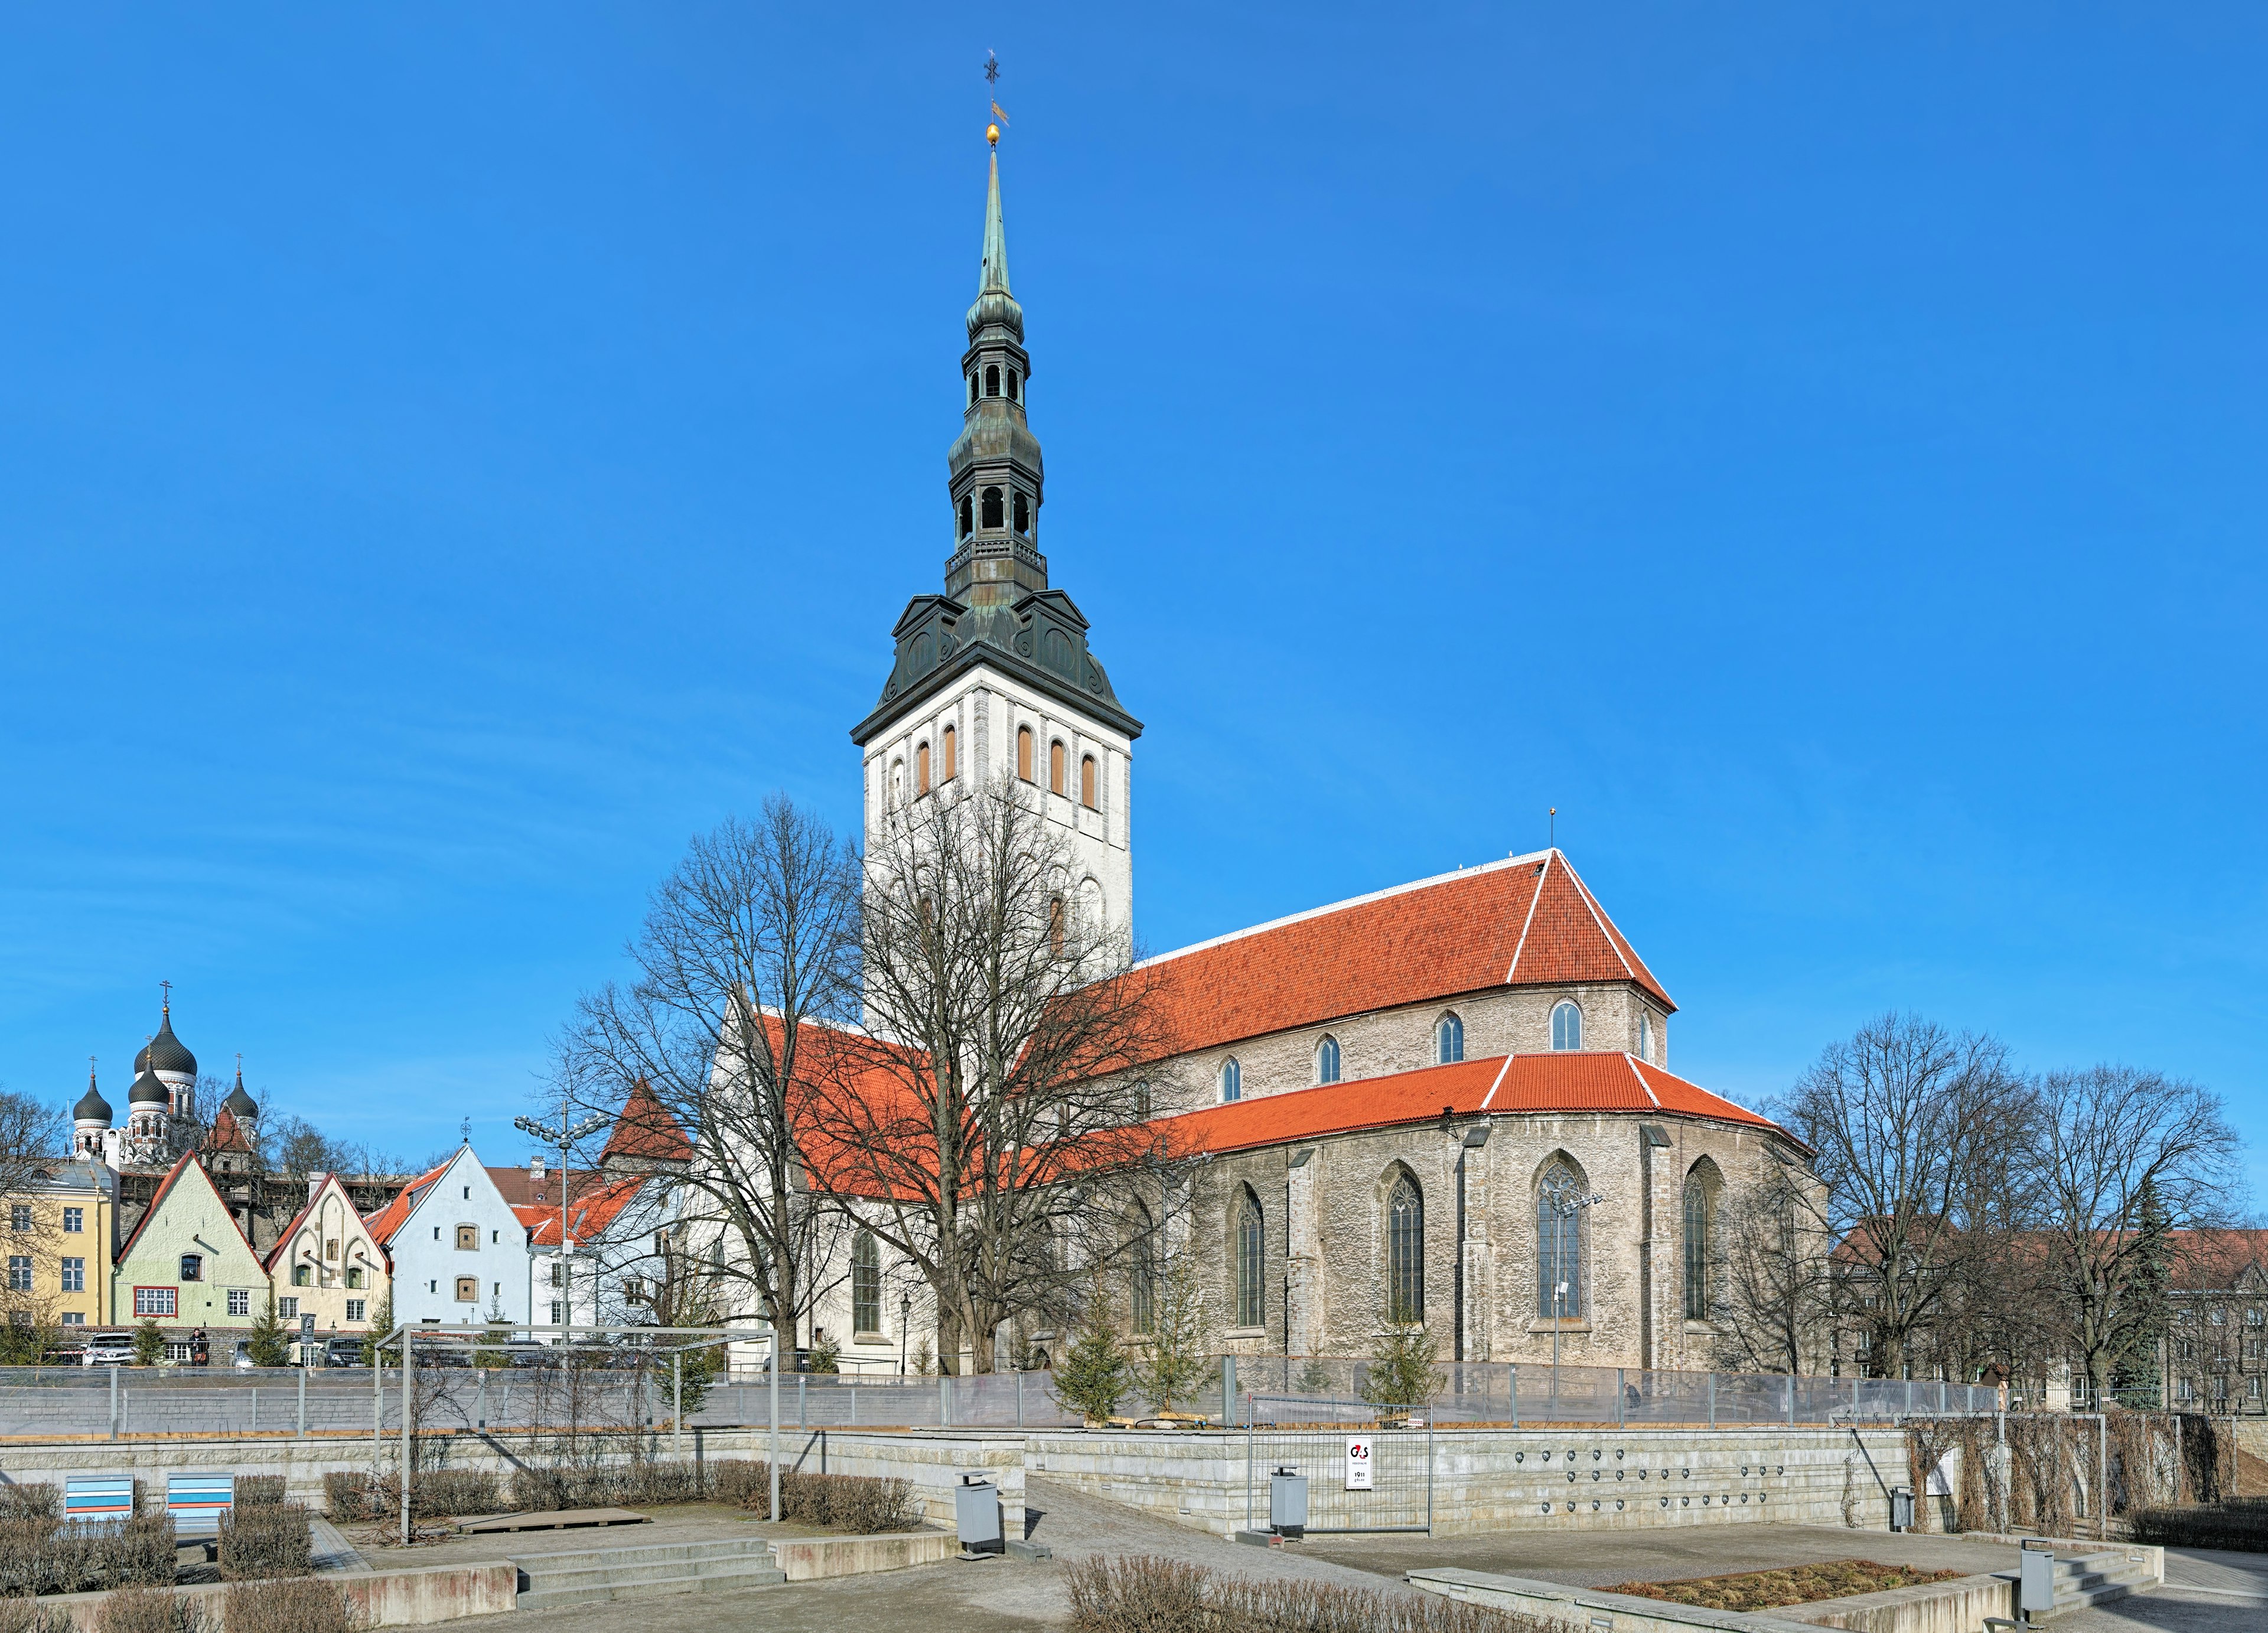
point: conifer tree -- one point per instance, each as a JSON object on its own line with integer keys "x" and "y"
{"x": 271, "y": 1344}
{"x": 1172, "y": 1360}
{"x": 1093, "y": 1376}
{"x": 1402, "y": 1370}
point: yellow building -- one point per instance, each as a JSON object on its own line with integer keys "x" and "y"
{"x": 61, "y": 1232}
{"x": 326, "y": 1265}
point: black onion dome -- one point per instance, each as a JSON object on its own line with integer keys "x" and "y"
{"x": 92, "y": 1106}
{"x": 238, "y": 1104}
{"x": 165, "y": 1052}
{"x": 147, "y": 1091}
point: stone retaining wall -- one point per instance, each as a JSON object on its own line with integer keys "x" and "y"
{"x": 389, "y": 1599}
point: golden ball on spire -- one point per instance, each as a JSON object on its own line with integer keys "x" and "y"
{"x": 992, "y": 135}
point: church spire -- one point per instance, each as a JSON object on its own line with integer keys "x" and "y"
{"x": 994, "y": 275}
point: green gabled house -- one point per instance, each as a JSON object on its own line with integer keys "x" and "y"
{"x": 187, "y": 1263}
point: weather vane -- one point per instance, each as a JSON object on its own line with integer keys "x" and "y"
{"x": 1000, "y": 114}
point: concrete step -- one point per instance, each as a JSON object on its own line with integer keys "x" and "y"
{"x": 725, "y": 1564}
{"x": 536, "y": 1599}
{"x": 646, "y": 1554}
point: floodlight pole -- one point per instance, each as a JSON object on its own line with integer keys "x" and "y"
{"x": 408, "y": 1409}
{"x": 774, "y": 1464}
{"x": 564, "y": 1135}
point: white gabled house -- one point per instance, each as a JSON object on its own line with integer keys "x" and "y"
{"x": 457, "y": 1252}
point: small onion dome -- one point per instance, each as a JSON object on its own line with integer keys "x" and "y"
{"x": 165, "y": 1052}
{"x": 239, "y": 1105}
{"x": 92, "y": 1106}
{"x": 147, "y": 1091}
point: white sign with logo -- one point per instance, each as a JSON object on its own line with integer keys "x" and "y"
{"x": 1357, "y": 1464}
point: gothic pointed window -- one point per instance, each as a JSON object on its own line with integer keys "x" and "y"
{"x": 1566, "y": 1025}
{"x": 1558, "y": 1244}
{"x": 1448, "y": 1039}
{"x": 1697, "y": 1246}
{"x": 1232, "y": 1080}
{"x": 967, "y": 513}
{"x": 992, "y": 507}
{"x": 1056, "y": 766}
{"x": 1056, "y": 925}
{"x": 1023, "y": 509}
{"x": 921, "y": 770}
{"x": 1144, "y": 1272}
{"x": 992, "y": 379}
{"x": 1024, "y": 753}
{"x": 952, "y": 767}
{"x": 865, "y": 1284}
{"x": 1406, "y": 1252}
{"x": 1327, "y": 1060}
{"x": 1089, "y": 792}
{"x": 1251, "y": 1247}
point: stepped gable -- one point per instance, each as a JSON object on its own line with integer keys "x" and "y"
{"x": 1527, "y": 920}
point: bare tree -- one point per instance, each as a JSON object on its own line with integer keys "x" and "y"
{"x": 1910, "y": 1123}
{"x": 749, "y": 949}
{"x": 1774, "y": 1297}
{"x": 980, "y": 1127}
{"x": 2118, "y": 1157}
{"x": 31, "y": 1137}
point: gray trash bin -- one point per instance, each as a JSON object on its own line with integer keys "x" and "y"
{"x": 976, "y": 1515}
{"x": 1287, "y": 1504}
{"x": 2036, "y": 1583}
{"x": 1902, "y": 1509}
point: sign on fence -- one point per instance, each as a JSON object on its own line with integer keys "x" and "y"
{"x": 1357, "y": 1463}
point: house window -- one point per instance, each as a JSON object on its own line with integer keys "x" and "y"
{"x": 1644, "y": 1037}
{"x": 1145, "y": 1278}
{"x": 1090, "y": 783}
{"x": 303, "y": 1275}
{"x": 555, "y": 1272}
{"x": 1566, "y": 1025}
{"x": 1406, "y": 1252}
{"x": 1232, "y": 1080}
{"x": 469, "y": 1238}
{"x": 355, "y": 1308}
{"x": 468, "y": 1290}
{"x": 20, "y": 1215}
{"x": 73, "y": 1220}
{"x": 558, "y": 1314}
{"x": 331, "y": 1249}
{"x": 288, "y": 1309}
{"x": 1327, "y": 1060}
{"x": 1056, "y": 766}
{"x": 1251, "y": 1264}
{"x": 865, "y": 1284}
{"x": 1024, "y": 753}
{"x": 952, "y": 767}
{"x": 193, "y": 1267}
{"x": 20, "y": 1272}
{"x": 355, "y": 1276}
{"x": 1697, "y": 1249}
{"x": 239, "y": 1301}
{"x": 1448, "y": 1039}
{"x": 468, "y": 1192}
{"x": 153, "y": 1301}
{"x": 1023, "y": 510}
{"x": 74, "y": 1275}
{"x": 993, "y": 507}
{"x": 1558, "y": 1245}
{"x": 74, "y": 1318}
{"x": 921, "y": 770}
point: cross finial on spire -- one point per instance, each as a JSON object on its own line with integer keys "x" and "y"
{"x": 167, "y": 1003}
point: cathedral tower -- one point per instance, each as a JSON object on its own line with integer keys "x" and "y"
{"x": 994, "y": 677}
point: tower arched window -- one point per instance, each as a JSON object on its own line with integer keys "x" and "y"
{"x": 1327, "y": 1060}
{"x": 1450, "y": 1039}
{"x": 952, "y": 753}
{"x": 1090, "y": 792}
{"x": 992, "y": 379}
{"x": 1645, "y": 1036}
{"x": 1023, "y": 512}
{"x": 992, "y": 510}
{"x": 1144, "y": 1272}
{"x": 1011, "y": 385}
{"x": 865, "y": 1284}
{"x": 897, "y": 782}
{"x": 1232, "y": 1080}
{"x": 1056, "y": 765}
{"x": 1056, "y": 927}
{"x": 972, "y": 385}
{"x": 1699, "y": 1209}
{"x": 921, "y": 770}
{"x": 1567, "y": 1025}
{"x": 1558, "y": 1244}
{"x": 1024, "y": 753}
{"x": 968, "y": 515}
{"x": 1251, "y": 1267}
{"x": 1405, "y": 1252}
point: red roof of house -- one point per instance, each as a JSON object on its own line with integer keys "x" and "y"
{"x": 2210, "y": 1261}
{"x": 590, "y": 1213}
{"x": 395, "y": 1214}
{"x": 227, "y": 1133}
{"x": 1529, "y": 921}
{"x": 645, "y": 1128}
{"x": 1566, "y": 1081}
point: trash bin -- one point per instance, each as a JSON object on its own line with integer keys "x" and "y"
{"x": 1902, "y": 1512}
{"x": 1287, "y": 1504}
{"x": 976, "y": 1515}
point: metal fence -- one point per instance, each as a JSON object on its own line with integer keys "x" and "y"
{"x": 1398, "y": 1494}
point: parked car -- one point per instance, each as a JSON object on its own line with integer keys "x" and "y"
{"x": 242, "y": 1360}
{"x": 339, "y": 1352}
{"x": 109, "y": 1349}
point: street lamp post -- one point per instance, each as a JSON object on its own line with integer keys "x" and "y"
{"x": 905, "y": 1320}
{"x": 1564, "y": 1208}
{"x": 564, "y": 1135}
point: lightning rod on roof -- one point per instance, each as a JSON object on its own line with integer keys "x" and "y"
{"x": 1552, "y": 831}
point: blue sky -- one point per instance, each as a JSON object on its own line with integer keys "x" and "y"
{"x": 446, "y": 460}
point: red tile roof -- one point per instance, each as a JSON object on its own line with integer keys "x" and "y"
{"x": 227, "y": 1133}
{"x": 1566, "y": 1081}
{"x": 646, "y": 1130}
{"x": 520, "y": 1189}
{"x": 1529, "y": 921}
{"x": 2211, "y": 1261}
{"x": 590, "y": 1213}
{"x": 395, "y": 1214}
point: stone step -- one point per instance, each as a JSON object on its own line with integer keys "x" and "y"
{"x": 535, "y": 1598}
{"x": 600, "y": 1558}
{"x": 651, "y": 1570}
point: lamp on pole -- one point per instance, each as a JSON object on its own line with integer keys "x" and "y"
{"x": 564, "y": 1135}
{"x": 905, "y": 1321}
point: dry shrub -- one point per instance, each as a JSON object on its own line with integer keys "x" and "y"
{"x": 271, "y": 1540}
{"x": 735, "y": 1480}
{"x": 48, "y": 1556}
{"x": 858, "y": 1504}
{"x": 292, "y": 1604}
{"x": 1138, "y": 1594}
{"x": 2242, "y": 1524}
{"x": 26, "y": 1615}
{"x": 149, "y": 1610}
{"x": 434, "y": 1493}
{"x": 31, "y": 1501}
{"x": 259, "y": 1491}
{"x": 642, "y": 1483}
{"x": 1798, "y": 1584}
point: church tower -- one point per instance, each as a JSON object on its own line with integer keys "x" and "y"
{"x": 994, "y": 677}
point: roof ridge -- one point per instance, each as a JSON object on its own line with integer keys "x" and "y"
{"x": 1337, "y": 906}
{"x": 1632, "y": 1061}
{"x": 1599, "y": 919}
{"x": 1534, "y": 896}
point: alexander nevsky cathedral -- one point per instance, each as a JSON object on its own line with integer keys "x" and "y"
{"x": 1448, "y": 1101}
